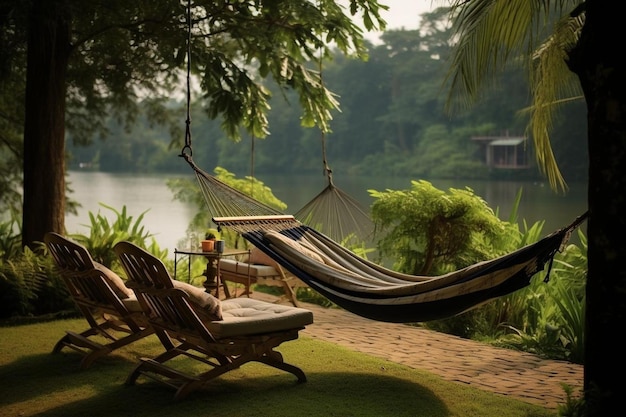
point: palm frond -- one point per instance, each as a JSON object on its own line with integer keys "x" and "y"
{"x": 492, "y": 33}
{"x": 552, "y": 85}
{"x": 489, "y": 34}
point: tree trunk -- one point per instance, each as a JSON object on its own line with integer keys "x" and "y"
{"x": 44, "y": 125}
{"x": 602, "y": 73}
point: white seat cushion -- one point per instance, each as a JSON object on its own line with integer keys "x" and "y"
{"x": 245, "y": 316}
{"x": 116, "y": 283}
{"x": 256, "y": 270}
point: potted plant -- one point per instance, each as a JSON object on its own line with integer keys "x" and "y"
{"x": 208, "y": 244}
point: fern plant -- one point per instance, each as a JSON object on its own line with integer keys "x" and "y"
{"x": 10, "y": 237}
{"x": 30, "y": 286}
{"x": 103, "y": 235}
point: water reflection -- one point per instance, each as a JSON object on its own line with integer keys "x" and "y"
{"x": 168, "y": 219}
{"x": 538, "y": 201}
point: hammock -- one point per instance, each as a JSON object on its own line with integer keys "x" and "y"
{"x": 361, "y": 286}
{"x": 356, "y": 284}
{"x": 372, "y": 291}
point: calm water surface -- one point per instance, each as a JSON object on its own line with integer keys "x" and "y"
{"x": 168, "y": 219}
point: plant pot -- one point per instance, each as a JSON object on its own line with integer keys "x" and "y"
{"x": 208, "y": 245}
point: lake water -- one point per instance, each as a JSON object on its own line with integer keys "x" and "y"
{"x": 168, "y": 219}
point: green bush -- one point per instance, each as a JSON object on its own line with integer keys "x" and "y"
{"x": 30, "y": 286}
{"x": 103, "y": 235}
{"x": 428, "y": 231}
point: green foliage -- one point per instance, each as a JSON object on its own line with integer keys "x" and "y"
{"x": 353, "y": 243}
{"x": 103, "y": 235}
{"x": 250, "y": 186}
{"x": 525, "y": 35}
{"x": 391, "y": 105}
{"x": 10, "y": 237}
{"x": 429, "y": 231}
{"x": 18, "y": 285}
{"x": 574, "y": 405}
{"x": 149, "y": 46}
{"x": 454, "y": 146}
{"x": 30, "y": 286}
{"x": 309, "y": 295}
{"x": 211, "y": 234}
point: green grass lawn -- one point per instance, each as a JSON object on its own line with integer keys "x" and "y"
{"x": 341, "y": 382}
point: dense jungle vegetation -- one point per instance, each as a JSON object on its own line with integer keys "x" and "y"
{"x": 392, "y": 122}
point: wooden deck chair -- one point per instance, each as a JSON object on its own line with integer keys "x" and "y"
{"x": 115, "y": 317}
{"x": 248, "y": 330}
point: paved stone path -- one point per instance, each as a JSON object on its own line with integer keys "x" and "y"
{"x": 521, "y": 375}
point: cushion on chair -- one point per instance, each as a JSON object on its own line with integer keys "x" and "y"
{"x": 115, "y": 281}
{"x": 208, "y": 307}
{"x": 245, "y": 316}
{"x": 242, "y": 268}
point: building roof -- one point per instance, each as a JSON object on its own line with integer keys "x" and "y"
{"x": 507, "y": 142}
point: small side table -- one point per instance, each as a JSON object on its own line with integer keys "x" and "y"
{"x": 213, "y": 280}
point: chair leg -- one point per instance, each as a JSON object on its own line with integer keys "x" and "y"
{"x": 290, "y": 294}
{"x": 92, "y": 350}
{"x": 275, "y": 359}
{"x": 157, "y": 368}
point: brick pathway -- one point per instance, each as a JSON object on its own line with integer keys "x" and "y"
{"x": 503, "y": 371}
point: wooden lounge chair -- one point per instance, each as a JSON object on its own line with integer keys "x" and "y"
{"x": 248, "y": 330}
{"x": 115, "y": 317}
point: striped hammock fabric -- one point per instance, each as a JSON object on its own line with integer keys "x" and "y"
{"x": 372, "y": 291}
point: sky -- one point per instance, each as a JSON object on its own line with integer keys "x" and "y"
{"x": 404, "y": 14}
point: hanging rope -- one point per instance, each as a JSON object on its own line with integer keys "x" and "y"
{"x": 252, "y": 166}
{"x": 332, "y": 211}
{"x": 327, "y": 171}
{"x": 187, "y": 151}
{"x": 221, "y": 199}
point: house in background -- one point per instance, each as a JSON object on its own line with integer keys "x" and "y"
{"x": 503, "y": 152}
